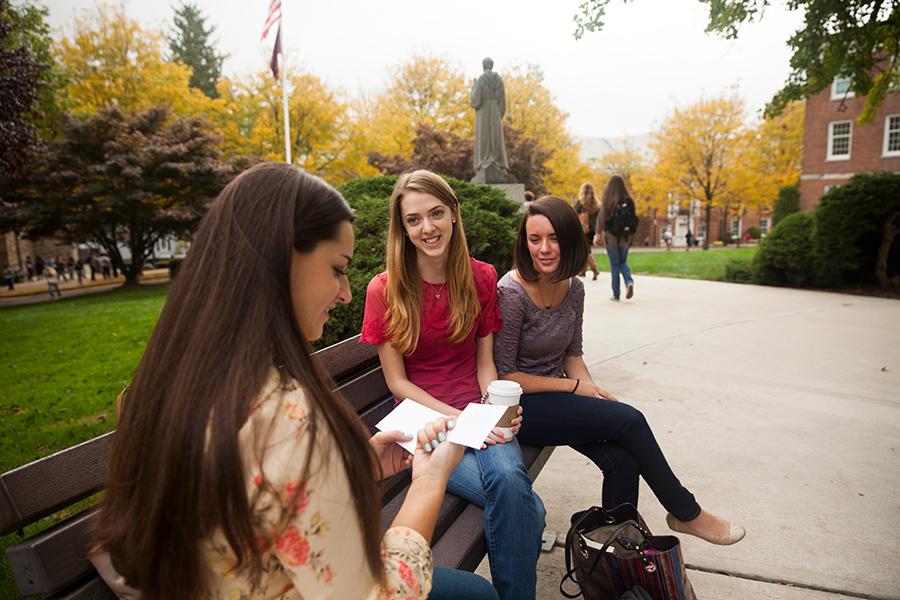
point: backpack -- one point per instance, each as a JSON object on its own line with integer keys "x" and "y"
{"x": 623, "y": 221}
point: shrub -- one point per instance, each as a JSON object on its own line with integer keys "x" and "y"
{"x": 739, "y": 271}
{"x": 490, "y": 221}
{"x": 785, "y": 256}
{"x": 849, "y": 223}
{"x": 788, "y": 202}
{"x": 754, "y": 232}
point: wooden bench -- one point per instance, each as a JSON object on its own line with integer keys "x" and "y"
{"x": 54, "y": 561}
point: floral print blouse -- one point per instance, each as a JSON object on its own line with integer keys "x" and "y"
{"x": 308, "y": 529}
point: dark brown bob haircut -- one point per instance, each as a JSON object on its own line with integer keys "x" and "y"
{"x": 573, "y": 248}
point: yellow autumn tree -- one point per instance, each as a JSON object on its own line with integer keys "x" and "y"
{"x": 108, "y": 59}
{"x": 324, "y": 139}
{"x": 774, "y": 152}
{"x": 697, "y": 154}
{"x": 531, "y": 109}
{"x": 426, "y": 89}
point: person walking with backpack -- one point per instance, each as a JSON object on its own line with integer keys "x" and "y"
{"x": 616, "y": 224}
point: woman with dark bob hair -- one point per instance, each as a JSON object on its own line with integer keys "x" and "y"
{"x": 540, "y": 348}
{"x": 236, "y": 471}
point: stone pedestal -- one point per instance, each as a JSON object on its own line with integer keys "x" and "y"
{"x": 513, "y": 191}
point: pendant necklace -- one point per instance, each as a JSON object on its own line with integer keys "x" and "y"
{"x": 439, "y": 291}
{"x": 544, "y": 302}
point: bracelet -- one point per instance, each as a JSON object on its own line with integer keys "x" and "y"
{"x": 577, "y": 383}
{"x": 484, "y": 397}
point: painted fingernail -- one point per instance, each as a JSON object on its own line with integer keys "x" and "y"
{"x": 407, "y": 435}
{"x": 441, "y": 436}
{"x": 451, "y": 424}
{"x": 427, "y": 447}
{"x": 434, "y": 444}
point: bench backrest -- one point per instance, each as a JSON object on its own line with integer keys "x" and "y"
{"x": 55, "y": 559}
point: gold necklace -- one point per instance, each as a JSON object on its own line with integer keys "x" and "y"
{"x": 437, "y": 294}
{"x": 544, "y": 302}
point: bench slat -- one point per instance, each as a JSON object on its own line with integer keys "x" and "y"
{"x": 40, "y": 488}
{"x": 458, "y": 548}
{"x": 365, "y": 390}
{"x": 345, "y": 357}
{"x": 55, "y": 558}
{"x": 93, "y": 588}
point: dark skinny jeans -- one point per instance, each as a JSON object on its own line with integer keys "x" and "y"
{"x": 616, "y": 437}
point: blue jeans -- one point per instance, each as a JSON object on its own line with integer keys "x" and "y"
{"x": 453, "y": 584}
{"x": 496, "y": 479}
{"x": 618, "y": 263}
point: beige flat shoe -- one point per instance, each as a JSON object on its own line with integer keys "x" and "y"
{"x": 732, "y": 535}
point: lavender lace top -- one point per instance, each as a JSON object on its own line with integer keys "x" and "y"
{"x": 533, "y": 339}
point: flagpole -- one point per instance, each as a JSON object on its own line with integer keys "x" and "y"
{"x": 287, "y": 119}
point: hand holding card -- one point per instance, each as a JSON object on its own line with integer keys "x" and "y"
{"x": 472, "y": 425}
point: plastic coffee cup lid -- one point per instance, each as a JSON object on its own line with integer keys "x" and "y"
{"x": 504, "y": 388}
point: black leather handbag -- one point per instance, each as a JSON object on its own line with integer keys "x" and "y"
{"x": 610, "y": 552}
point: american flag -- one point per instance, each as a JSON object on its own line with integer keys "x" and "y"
{"x": 273, "y": 16}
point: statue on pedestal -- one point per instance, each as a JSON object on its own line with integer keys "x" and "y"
{"x": 489, "y": 101}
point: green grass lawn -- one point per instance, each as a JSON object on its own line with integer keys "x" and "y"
{"x": 61, "y": 366}
{"x": 696, "y": 264}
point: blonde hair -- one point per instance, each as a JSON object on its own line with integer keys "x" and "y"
{"x": 588, "y": 199}
{"x": 404, "y": 283}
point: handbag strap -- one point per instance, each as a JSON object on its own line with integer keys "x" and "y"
{"x": 571, "y": 570}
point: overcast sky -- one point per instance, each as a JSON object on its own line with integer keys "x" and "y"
{"x": 651, "y": 56}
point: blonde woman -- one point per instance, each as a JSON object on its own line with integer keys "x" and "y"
{"x": 587, "y": 208}
{"x": 433, "y": 315}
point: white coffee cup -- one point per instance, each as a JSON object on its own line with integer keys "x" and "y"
{"x": 505, "y": 393}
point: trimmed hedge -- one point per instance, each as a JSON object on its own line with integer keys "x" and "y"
{"x": 489, "y": 217}
{"x": 785, "y": 256}
{"x": 849, "y": 222}
{"x": 788, "y": 203}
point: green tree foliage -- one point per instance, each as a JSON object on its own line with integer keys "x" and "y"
{"x": 788, "y": 202}
{"x": 27, "y": 85}
{"x": 189, "y": 43}
{"x": 859, "y": 39}
{"x": 129, "y": 178}
{"x": 785, "y": 257}
{"x": 856, "y": 226}
{"x": 490, "y": 221}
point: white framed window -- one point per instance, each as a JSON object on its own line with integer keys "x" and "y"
{"x": 735, "y": 228}
{"x": 764, "y": 226}
{"x": 891, "y": 136}
{"x": 828, "y": 188}
{"x": 839, "y": 137}
{"x": 840, "y": 88}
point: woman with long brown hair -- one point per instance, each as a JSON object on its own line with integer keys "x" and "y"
{"x": 615, "y": 198}
{"x": 587, "y": 207}
{"x": 433, "y": 315}
{"x": 235, "y": 470}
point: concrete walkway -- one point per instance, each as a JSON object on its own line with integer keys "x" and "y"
{"x": 778, "y": 408}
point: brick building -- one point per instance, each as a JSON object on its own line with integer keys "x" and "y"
{"x": 836, "y": 146}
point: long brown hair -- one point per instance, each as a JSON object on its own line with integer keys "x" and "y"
{"x": 175, "y": 471}
{"x": 614, "y": 192}
{"x": 404, "y": 284}
{"x": 588, "y": 199}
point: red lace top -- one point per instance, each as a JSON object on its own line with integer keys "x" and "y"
{"x": 446, "y": 371}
